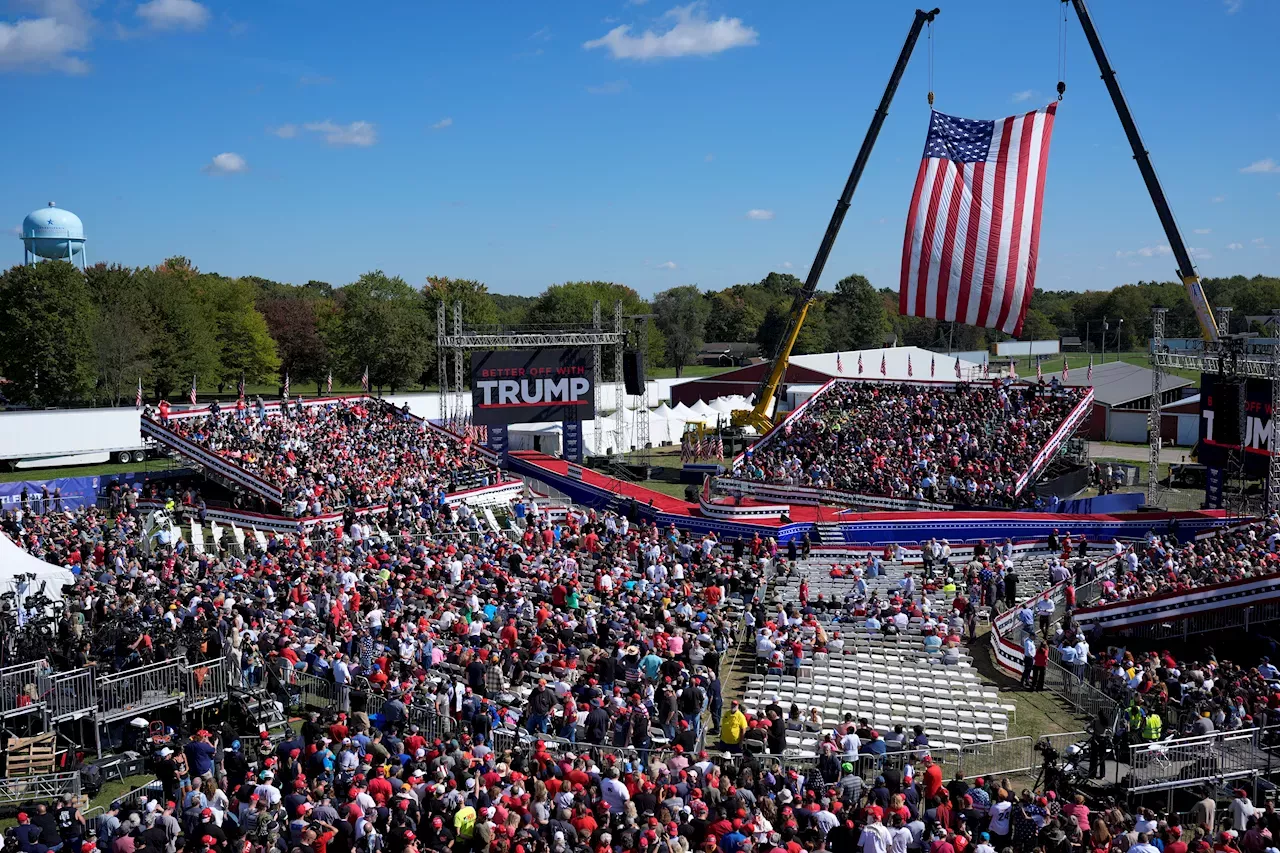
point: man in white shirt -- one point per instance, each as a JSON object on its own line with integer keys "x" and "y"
{"x": 875, "y": 837}
{"x": 615, "y": 794}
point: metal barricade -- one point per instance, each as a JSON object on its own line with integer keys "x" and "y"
{"x": 206, "y": 684}
{"x": 69, "y": 695}
{"x": 136, "y": 691}
{"x": 134, "y": 799}
{"x": 1070, "y": 686}
{"x": 18, "y": 791}
{"x": 311, "y": 691}
{"x": 998, "y": 758}
{"x": 1183, "y": 762}
{"x": 15, "y": 696}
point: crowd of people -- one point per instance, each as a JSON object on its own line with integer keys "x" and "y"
{"x": 323, "y": 458}
{"x": 1163, "y": 565}
{"x": 966, "y": 445}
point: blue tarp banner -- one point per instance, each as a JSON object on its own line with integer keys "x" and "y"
{"x": 76, "y": 492}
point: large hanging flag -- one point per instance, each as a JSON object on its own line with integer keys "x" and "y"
{"x": 192, "y": 395}
{"x": 973, "y": 229}
{"x": 839, "y": 363}
{"x": 137, "y": 401}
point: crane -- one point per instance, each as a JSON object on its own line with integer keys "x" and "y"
{"x": 759, "y": 416}
{"x": 1186, "y": 270}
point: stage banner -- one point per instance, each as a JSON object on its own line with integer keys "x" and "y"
{"x": 532, "y": 385}
{"x": 572, "y": 449}
{"x": 498, "y": 442}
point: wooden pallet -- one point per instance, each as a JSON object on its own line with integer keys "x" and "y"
{"x": 30, "y": 756}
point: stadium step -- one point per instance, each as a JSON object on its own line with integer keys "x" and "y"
{"x": 829, "y": 532}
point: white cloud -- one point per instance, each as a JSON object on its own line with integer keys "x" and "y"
{"x": 49, "y": 41}
{"x": 315, "y": 80}
{"x": 359, "y": 133}
{"x": 708, "y": 158}
{"x": 1233, "y": 246}
{"x": 1199, "y": 254}
{"x": 174, "y": 14}
{"x": 1204, "y": 230}
{"x": 669, "y": 265}
{"x": 1263, "y": 167}
{"x": 1145, "y": 252}
{"x": 759, "y": 214}
{"x": 284, "y": 131}
{"x": 227, "y": 163}
{"x": 1233, "y": 6}
{"x": 442, "y": 123}
{"x": 16, "y": 230}
{"x": 692, "y": 34}
{"x": 1218, "y": 199}
{"x": 614, "y": 87}
{"x": 1024, "y": 95}
{"x": 786, "y": 265}
{"x": 1260, "y": 243}
{"x": 543, "y": 34}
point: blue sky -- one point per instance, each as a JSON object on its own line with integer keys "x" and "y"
{"x": 528, "y": 143}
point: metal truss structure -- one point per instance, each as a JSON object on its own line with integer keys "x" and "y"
{"x": 1235, "y": 358}
{"x": 455, "y": 346}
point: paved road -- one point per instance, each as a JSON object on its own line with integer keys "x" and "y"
{"x": 1136, "y": 452}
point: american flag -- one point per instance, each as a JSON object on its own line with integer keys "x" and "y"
{"x": 883, "y": 372}
{"x": 137, "y": 400}
{"x": 957, "y": 364}
{"x": 364, "y": 379}
{"x": 1065, "y": 372}
{"x": 973, "y": 229}
{"x": 286, "y": 384}
{"x": 719, "y": 447}
{"x": 1090, "y": 374}
{"x": 193, "y": 389}
{"x": 909, "y": 371}
{"x": 859, "y": 364}
{"x": 1039, "y": 371}
{"x": 328, "y": 385}
{"x": 839, "y": 363}
{"x": 932, "y": 365}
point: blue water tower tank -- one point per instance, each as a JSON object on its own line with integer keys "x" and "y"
{"x": 53, "y": 233}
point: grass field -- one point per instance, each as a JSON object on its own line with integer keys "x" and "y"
{"x": 104, "y": 470}
{"x": 1080, "y": 361}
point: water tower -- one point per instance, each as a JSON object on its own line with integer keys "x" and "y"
{"x": 53, "y": 233}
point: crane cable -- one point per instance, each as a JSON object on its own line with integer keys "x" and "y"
{"x": 930, "y": 38}
{"x": 1062, "y": 51}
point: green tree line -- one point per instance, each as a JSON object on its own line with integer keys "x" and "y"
{"x": 68, "y": 337}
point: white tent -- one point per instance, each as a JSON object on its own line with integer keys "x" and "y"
{"x": 701, "y": 409}
{"x": 663, "y": 411}
{"x": 16, "y": 567}
{"x": 681, "y": 411}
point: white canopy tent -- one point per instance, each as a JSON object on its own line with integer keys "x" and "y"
{"x": 24, "y": 574}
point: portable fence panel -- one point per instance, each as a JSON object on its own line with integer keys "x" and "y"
{"x": 136, "y": 691}
{"x": 998, "y": 758}
{"x": 207, "y": 683}
{"x": 13, "y": 686}
{"x": 1182, "y": 762}
{"x": 17, "y": 791}
{"x": 69, "y": 695}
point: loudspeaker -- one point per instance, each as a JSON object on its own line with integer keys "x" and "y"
{"x": 633, "y": 372}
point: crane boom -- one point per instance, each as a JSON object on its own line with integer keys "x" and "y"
{"x": 759, "y": 416}
{"x": 1186, "y": 270}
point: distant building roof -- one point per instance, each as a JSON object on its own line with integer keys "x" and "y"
{"x": 1116, "y": 383}
{"x": 1071, "y": 341}
{"x": 734, "y": 348}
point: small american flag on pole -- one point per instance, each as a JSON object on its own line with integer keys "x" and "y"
{"x": 909, "y": 370}
{"x": 1065, "y": 372}
{"x": 957, "y": 364}
{"x": 286, "y": 384}
{"x": 839, "y": 363}
{"x": 1039, "y": 371}
{"x": 933, "y": 364}
{"x": 364, "y": 379}
{"x": 973, "y": 229}
{"x": 192, "y": 395}
{"x": 883, "y": 370}
{"x": 859, "y": 364}
{"x": 328, "y": 385}
{"x": 1090, "y": 373}
{"x": 137, "y": 400}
